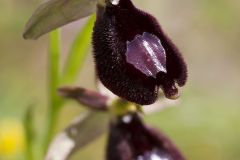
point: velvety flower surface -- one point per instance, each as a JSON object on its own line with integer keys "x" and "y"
{"x": 133, "y": 55}
{"x": 130, "y": 139}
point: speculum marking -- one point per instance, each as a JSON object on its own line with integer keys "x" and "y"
{"x": 146, "y": 53}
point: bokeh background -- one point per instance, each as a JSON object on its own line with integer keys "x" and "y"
{"x": 206, "y": 123}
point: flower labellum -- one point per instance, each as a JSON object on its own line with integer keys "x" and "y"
{"x": 130, "y": 139}
{"x": 134, "y": 57}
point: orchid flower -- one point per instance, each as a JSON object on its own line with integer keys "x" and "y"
{"x": 135, "y": 61}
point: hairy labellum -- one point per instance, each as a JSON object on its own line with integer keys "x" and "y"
{"x": 134, "y": 58}
{"x": 130, "y": 139}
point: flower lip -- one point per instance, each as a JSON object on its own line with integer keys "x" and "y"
{"x": 123, "y": 35}
{"x": 131, "y": 139}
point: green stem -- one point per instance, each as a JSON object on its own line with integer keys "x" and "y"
{"x": 78, "y": 53}
{"x": 71, "y": 69}
{"x": 53, "y": 81}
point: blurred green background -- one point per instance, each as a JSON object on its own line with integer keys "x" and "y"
{"x": 206, "y": 124}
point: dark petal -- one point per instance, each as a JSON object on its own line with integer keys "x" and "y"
{"x": 119, "y": 35}
{"x": 90, "y": 99}
{"x": 130, "y": 139}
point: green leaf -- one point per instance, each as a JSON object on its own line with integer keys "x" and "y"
{"x": 29, "y": 132}
{"x": 54, "y": 56}
{"x": 53, "y": 82}
{"x": 78, "y": 52}
{"x": 56, "y": 13}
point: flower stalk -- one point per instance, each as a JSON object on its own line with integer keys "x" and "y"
{"x": 53, "y": 81}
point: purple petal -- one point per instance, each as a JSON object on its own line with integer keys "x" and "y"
{"x": 91, "y": 99}
{"x": 146, "y": 53}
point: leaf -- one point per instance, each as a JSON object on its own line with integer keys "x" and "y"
{"x": 78, "y": 52}
{"x": 81, "y": 132}
{"x": 29, "y": 132}
{"x": 56, "y": 13}
{"x": 53, "y": 67}
{"x": 53, "y": 82}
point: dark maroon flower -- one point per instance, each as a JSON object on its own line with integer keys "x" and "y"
{"x": 133, "y": 55}
{"x": 130, "y": 139}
